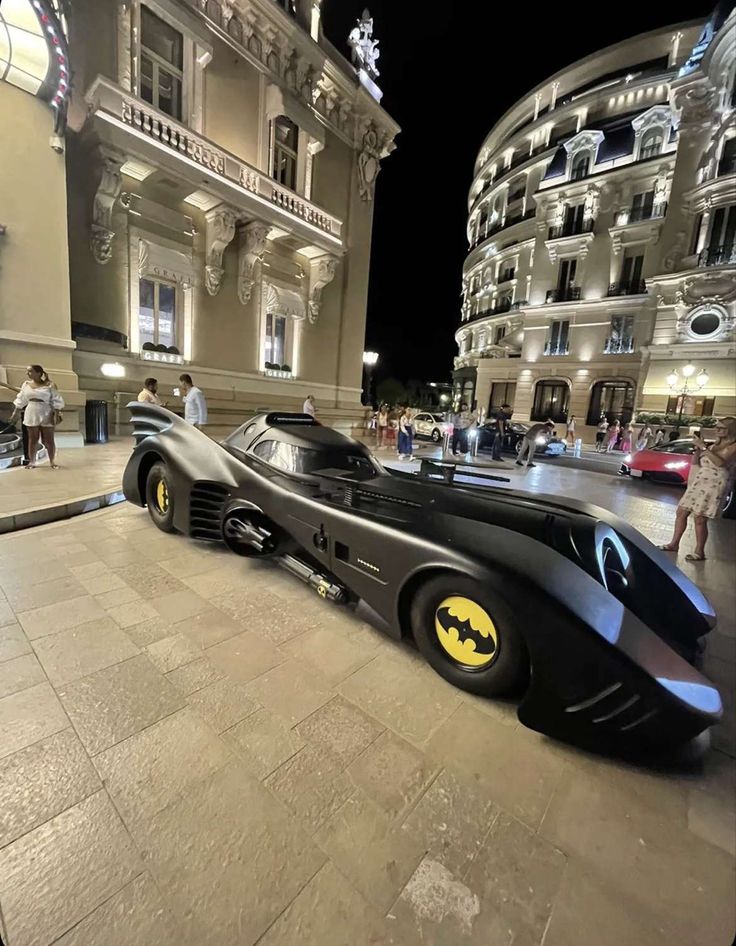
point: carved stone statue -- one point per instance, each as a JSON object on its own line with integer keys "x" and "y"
{"x": 675, "y": 253}
{"x": 250, "y": 252}
{"x": 365, "y": 49}
{"x": 220, "y": 231}
{"x": 369, "y": 163}
{"x": 107, "y": 194}
{"x": 321, "y": 273}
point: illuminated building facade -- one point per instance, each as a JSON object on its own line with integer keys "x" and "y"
{"x": 602, "y": 232}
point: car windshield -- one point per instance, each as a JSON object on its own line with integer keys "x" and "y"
{"x": 292, "y": 458}
{"x": 677, "y": 446}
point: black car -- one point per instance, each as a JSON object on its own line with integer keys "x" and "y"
{"x": 549, "y": 444}
{"x": 500, "y": 590}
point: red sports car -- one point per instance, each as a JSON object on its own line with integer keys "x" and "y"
{"x": 668, "y": 463}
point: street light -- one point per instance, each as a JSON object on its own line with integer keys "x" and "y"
{"x": 370, "y": 360}
{"x": 684, "y": 386}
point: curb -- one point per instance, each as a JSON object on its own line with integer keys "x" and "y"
{"x": 17, "y": 521}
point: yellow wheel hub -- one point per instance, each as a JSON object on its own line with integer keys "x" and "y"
{"x": 466, "y": 632}
{"x": 162, "y": 496}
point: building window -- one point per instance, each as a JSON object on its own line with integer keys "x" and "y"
{"x": 612, "y": 399}
{"x": 285, "y": 145}
{"x": 706, "y": 321}
{"x": 162, "y": 64}
{"x": 499, "y": 334}
{"x": 642, "y": 207}
{"x": 620, "y": 339}
{"x": 695, "y": 406}
{"x": 157, "y": 316}
{"x": 550, "y": 401}
{"x": 502, "y": 393}
{"x": 727, "y": 164}
{"x": 288, "y": 5}
{"x": 651, "y": 143}
{"x": 274, "y": 352}
{"x": 558, "y": 341}
{"x": 580, "y": 167}
{"x": 631, "y": 271}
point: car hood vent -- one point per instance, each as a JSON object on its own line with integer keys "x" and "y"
{"x": 206, "y": 503}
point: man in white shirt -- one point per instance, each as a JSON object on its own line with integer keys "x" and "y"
{"x": 195, "y": 406}
{"x": 309, "y": 407}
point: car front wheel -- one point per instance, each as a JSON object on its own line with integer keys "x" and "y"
{"x": 436, "y": 435}
{"x": 160, "y": 497}
{"x": 467, "y": 633}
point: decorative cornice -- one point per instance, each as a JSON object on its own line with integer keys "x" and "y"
{"x": 252, "y": 246}
{"x": 321, "y": 273}
{"x": 220, "y": 231}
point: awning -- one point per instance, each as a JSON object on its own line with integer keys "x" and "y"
{"x": 284, "y": 302}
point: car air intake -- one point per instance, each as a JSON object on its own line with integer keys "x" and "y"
{"x": 206, "y": 503}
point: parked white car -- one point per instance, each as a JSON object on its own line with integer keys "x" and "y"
{"x": 431, "y": 426}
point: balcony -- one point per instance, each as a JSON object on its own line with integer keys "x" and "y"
{"x": 138, "y": 129}
{"x": 557, "y": 348}
{"x": 618, "y": 346}
{"x": 499, "y": 309}
{"x": 724, "y": 255}
{"x": 571, "y": 229}
{"x": 563, "y": 294}
{"x": 509, "y": 222}
{"x": 634, "y": 287}
{"x": 517, "y": 195}
{"x": 507, "y": 275}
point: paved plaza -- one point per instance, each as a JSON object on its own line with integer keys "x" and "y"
{"x": 197, "y": 750}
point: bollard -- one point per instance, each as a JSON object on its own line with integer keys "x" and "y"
{"x": 578, "y": 449}
{"x": 446, "y": 443}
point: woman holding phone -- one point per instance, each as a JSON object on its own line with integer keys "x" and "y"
{"x": 711, "y": 477}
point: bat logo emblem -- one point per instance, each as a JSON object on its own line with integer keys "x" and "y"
{"x": 466, "y": 631}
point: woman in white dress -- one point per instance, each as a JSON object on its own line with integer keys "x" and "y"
{"x": 40, "y": 401}
{"x": 711, "y": 478}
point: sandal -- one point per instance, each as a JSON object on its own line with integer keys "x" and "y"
{"x": 691, "y": 557}
{"x": 667, "y": 548}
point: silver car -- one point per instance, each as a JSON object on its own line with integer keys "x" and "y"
{"x": 430, "y": 426}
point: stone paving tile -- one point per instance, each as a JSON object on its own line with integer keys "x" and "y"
{"x": 42, "y": 622}
{"x": 314, "y": 785}
{"x": 135, "y": 916}
{"x": 41, "y": 781}
{"x": 71, "y": 654}
{"x": 710, "y": 802}
{"x": 223, "y": 704}
{"x": 360, "y": 842}
{"x": 172, "y": 652}
{"x": 54, "y": 876}
{"x": 149, "y": 631}
{"x": 263, "y": 612}
{"x": 192, "y": 562}
{"x": 230, "y": 858}
{"x": 341, "y": 728}
{"x": 179, "y": 605}
{"x": 13, "y": 642}
{"x": 116, "y": 597}
{"x": 398, "y": 690}
{"x": 113, "y": 704}
{"x": 392, "y": 772}
{"x": 7, "y": 615}
{"x": 19, "y": 674}
{"x": 245, "y": 656}
{"x": 89, "y": 570}
{"x": 517, "y": 768}
{"x": 28, "y": 716}
{"x": 218, "y": 581}
{"x": 22, "y": 572}
{"x": 149, "y": 580}
{"x": 632, "y": 831}
{"x": 290, "y": 691}
{"x": 103, "y": 582}
{"x": 451, "y": 820}
{"x": 264, "y": 741}
{"x": 209, "y": 628}
{"x": 331, "y": 651}
{"x": 327, "y": 912}
{"x": 132, "y": 613}
{"x": 195, "y": 675}
{"x": 24, "y": 597}
{"x": 158, "y": 765}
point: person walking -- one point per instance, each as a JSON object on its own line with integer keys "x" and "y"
{"x": 529, "y": 442}
{"x": 149, "y": 394}
{"x": 195, "y": 405}
{"x": 406, "y": 432}
{"x": 570, "y": 430}
{"x": 381, "y": 426}
{"x": 644, "y": 438}
{"x": 309, "y": 407}
{"x": 612, "y": 435}
{"x": 711, "y": 479}
{"x": 659, "y": 437}
{"x": 462, "y": 420}
{"x": 627, "y": 438}
{"x": 41, "y": 404}
{"x": 600, "y": 434}
{"x": 502, "y": 419}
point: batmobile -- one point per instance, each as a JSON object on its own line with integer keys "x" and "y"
{"x": 500, "y": 590}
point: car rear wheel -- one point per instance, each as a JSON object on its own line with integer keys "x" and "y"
{"x": 468, "y": 635}
{"x": 436, "y": 435}
{"x": 160, "y": 497}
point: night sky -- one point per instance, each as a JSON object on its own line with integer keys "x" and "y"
{"x": 446, "y": 80}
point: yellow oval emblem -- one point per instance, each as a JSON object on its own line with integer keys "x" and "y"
{"x": 466, "y": 631}
{"x": 162, "y": 496}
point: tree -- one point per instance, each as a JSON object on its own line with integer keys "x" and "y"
{"x": 391, "y": 391}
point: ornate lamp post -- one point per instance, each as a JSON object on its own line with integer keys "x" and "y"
{"x": 370, "y": 359}
{"x": 686, "y": 384}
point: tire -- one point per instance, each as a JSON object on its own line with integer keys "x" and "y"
{"x": 160, "y": 497}
{"x": 517, "y": 446}
{"x": 436, "y": 435}
{"x": 729, "y": 506}
{"x": 495, "y": 669}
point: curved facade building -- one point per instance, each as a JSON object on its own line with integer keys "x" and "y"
{"x": 602, "y": 233}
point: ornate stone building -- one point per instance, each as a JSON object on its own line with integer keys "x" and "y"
{"x": 221, "y": 159}
{"x": 602, "y": 231}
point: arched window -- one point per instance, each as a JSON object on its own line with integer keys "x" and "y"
{"x": 651, "y": 143}
{"x": 580, "y": 167}
{"x": 615, "y": 399}
{"x": 551, "y": 399}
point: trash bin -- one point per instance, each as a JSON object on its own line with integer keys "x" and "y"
{"x": 95, "y": 421}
